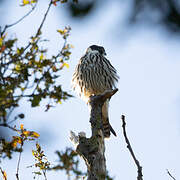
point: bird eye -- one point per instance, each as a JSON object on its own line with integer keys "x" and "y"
{"x": 103, "y": 51}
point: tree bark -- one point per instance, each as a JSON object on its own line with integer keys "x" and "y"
{"x": 92, "y": 149}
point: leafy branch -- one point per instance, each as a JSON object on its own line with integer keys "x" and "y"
{"x": 41, "y": 161}
{"x": 68, "y": 161}
{"x": 27, "y": 72}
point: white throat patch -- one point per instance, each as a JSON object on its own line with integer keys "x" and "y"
{"x": 89, "y": 50}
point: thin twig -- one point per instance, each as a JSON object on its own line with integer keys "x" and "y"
{"x": 44, "y": 18}
{"x": 139, "y": 167}
{"x": 18, "y": 21}
{"x": 44, "y": 173}
{"x": 39, "y": 29}
{"x": 19, "y": 159}
{"x": 15, "y": 119}
{"x": 4, "y": 174}
{"x": 10, "y": 127}
{"x": 170, "y": 174}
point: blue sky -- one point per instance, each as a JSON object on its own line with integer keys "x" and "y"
{"x": 147, "y": 60}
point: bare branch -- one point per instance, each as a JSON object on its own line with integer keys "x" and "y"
{"x": 139, "y": 167}
{"x": 4, "y": 174}
{"x": 44, "y": 18}
{"x": 10, "y": 127}
{"x": 170, "y": 174}
{"x": 19, "y": 159}
{"x": 18, "y": 21}
{"x": 44, "y": 173}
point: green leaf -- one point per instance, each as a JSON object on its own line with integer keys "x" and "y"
{"x": 66, "y": 65}
{"x": 25, "y": 2}
{"x": 41, "y": 56}
{"x": 35, "y": 101}
{"x": 1, "y": 42}
{"x": 37, "y": 172}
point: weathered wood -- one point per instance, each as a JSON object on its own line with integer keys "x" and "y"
{"x": 92, "y": 149}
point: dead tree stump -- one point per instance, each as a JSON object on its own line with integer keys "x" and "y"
{"x": 92, "y": 149}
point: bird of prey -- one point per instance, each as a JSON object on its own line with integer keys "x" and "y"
{"x": 94, "y": 75}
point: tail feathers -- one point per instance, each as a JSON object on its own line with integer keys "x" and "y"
{"x": 107, "y": 129}
{"x": 112, "y": 130}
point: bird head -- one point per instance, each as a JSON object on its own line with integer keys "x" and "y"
{"x": 96, "y": 49}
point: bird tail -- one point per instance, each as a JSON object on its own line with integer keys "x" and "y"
{"x": 107, "y": 128}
